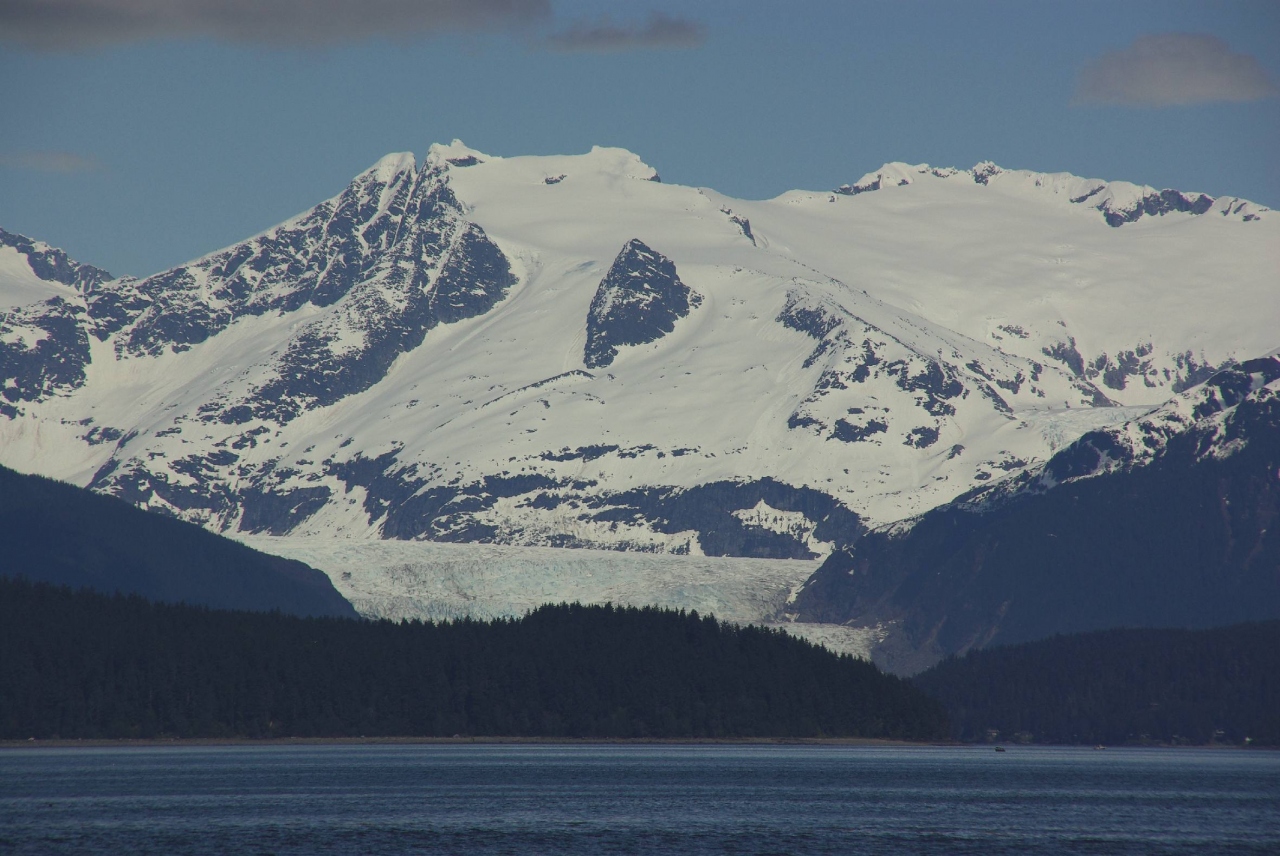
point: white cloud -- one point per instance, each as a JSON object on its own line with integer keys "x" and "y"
{"x": 1170, "y": 69}
{"x": 659, "y": 31}
{"x": 49, "y": 161}
{"x": 73, "y": 24}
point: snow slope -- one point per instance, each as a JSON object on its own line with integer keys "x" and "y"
{"x": 411, "y": 359}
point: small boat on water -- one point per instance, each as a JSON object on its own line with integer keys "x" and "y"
{"x": 999, "y": 748}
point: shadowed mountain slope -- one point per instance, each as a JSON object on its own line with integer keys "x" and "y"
{"x": 57, "y": 533}
{"x": 1168, "y": 521}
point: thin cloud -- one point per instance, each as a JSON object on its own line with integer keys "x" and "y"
{"x": 1170, "y": 69}
{"x": 75, "y": 24}
{"x": 658, "y": 32}
{"x": 60, "y": 162}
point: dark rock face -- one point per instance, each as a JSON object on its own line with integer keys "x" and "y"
{"x": 279, "y": 512}
{"x": 412, "y": 506}
{"x": 1191, "y": 372}
{"x": 53, "y": 265}
{"x": 848, "y": 432}
{"x": 585, "y": 454}
{"x": 637, "y": 302}
{"x": 474, "y": 278}
{"x": 1067, "y": 354}
{"x": 983, "y": 172}
{"x": 709, "y": 511}
{"x": 186, "y": 485}
{"x": 807, "y": 318}
{"x": 922, "y": 437}
{"x": 1086, "y": 196}
{"x": 268, "y": 499}
{"x": 855, "y": 189}
{"x": 316, "y": 258}
{"x": 1176, "y": 528}
{"x": 1132, "y": 364}
{"x": 43, "y": 352}
{"x": 441, "y": 269}
{"x": 1156, "y": 204}
{"x": 43, "y": 346}
{"x": 743, "y": 224}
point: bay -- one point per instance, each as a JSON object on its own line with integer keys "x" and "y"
{"x": 596, "y": 799}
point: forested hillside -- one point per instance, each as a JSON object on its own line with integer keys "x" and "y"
{"x": 1119, "y": 686}
{"x": 59, "y": 533}
{"x": 82, "y": 664}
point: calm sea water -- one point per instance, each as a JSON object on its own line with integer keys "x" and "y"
{"x": 636, "y": 799}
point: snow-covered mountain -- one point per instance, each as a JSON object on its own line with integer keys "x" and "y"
{"x": 1164, "y": 521}
{"x": 563, "y": 351}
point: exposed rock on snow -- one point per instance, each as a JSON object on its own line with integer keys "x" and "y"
{"x": 638, "y": 302}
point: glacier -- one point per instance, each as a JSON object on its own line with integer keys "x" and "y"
{"x": 428, "y": 581}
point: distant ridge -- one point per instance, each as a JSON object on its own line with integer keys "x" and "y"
{"x": 57, "y": 533}
{"x": 1119, "y": 687}
{"x": 1119, "y": 202}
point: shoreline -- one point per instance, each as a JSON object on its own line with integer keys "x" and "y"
{"x": 866, "y": 742}
{"x": 147, "y": 742}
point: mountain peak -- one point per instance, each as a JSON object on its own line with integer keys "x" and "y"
{"x": 456, "y": 153}
{"x": 1119, "y": 202}
{"x": 621, "y": 161}
{"x": 391, "y": 165}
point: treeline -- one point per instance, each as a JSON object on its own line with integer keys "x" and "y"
{"x": 78, "y": 664}
{"x": 1119, "y": 687}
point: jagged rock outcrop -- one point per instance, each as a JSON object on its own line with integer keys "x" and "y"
{"x": 638, "y": 301}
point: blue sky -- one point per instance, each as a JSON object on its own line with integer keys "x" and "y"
{"x": 140, "y": 133}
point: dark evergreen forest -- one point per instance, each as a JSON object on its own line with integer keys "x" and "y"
{"x": 1119, "y": 687}
{"x": 80, "y": 664}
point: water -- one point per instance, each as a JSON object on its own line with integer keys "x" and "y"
{"x": 636, "y": 799}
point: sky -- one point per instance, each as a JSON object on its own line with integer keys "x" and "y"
{"x": 138, "y": 134}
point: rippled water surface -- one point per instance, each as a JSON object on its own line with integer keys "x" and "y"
{"x": 636, "y": 799}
